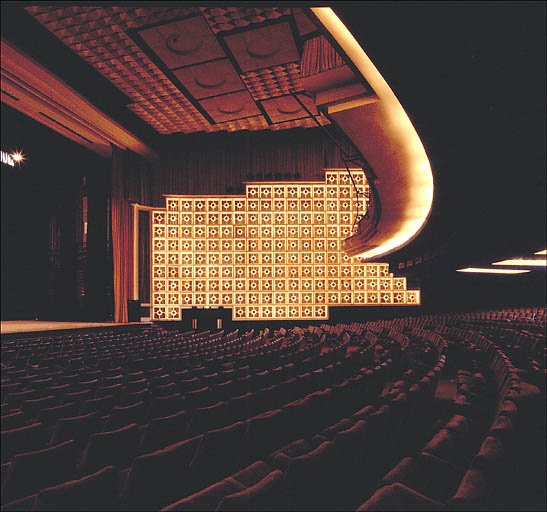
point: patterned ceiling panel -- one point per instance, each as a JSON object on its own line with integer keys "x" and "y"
{"x": 182, "y": 43}
{"x": 288, "y": 108}
{"x": 263, "y": 47}
{"x": 223, "y": 19}
{"x": 275, "y": 81}
{"x": 229, "y": 107}
{"x": 210, "y": 79}
{"x": 284, "y": 108}
{"x": 181, "y": 79}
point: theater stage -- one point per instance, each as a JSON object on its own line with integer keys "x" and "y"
{"x": 24, "y": 326}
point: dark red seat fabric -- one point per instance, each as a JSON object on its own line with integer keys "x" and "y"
{"x": 398, "y": 497}
{"x": 103, "y": 405}
{"x": 473, "y": 493}
{"x": 51, "y": 415}
{"x": 343, "y": 424}
{"x": 241, "y": 407}
{"x": 208, "y": 498}
{"x": 426, "y": 474}
{"x": 121, "y": 416}
{"x": 308, "y": 479}
{"x": 208, "y": 418}
{"x": 267, "y": 432}
{"x": 161, "y": 432}
{"x": 160, "y": 478}
{"x": 184, "y": 386}
{"x": 127, "y": 399}
{"x": 264, "y": 495}
{"x": 116, "y": 448}
{"x": 16, "y": 398}
{"x": 59, "y": 391}
{"x": 78, "y": 428}
{"x": 164, "y": 390}
{"x": 20, "y": 440}
{"x": 79, "y": 396}
{"x": 163, "y": 406}
{"x": 281, "y": 458}
{"x": 114, "y": 389}
{"x": 220, "y": 453}
{"x": 33, "y": 471}
{"x": 198, "y": 398}
{"x": 97, "y": 491}
{"x": 13, "y": 420}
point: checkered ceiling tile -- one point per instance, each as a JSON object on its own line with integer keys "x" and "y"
{"x": 222, "y": 19}
{"x": 275, "y": 81}
{"x": 110, "y": 38}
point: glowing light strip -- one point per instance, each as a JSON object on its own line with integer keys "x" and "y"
{"x": 522, "y": 263}
{"x": 492, "y": 270}
{"x": 544, "y": 252}
{"x": 400, "y": 127}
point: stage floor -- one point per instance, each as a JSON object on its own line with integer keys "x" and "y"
{"x": 17, "y": 326}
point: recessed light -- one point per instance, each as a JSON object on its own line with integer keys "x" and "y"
{"x": 492, "y": 270}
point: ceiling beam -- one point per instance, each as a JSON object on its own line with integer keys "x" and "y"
{"x": 36, "y": 92}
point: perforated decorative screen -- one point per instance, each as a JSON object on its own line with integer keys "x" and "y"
{"x": 274, "y": 253}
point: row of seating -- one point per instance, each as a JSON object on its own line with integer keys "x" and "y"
{"x": 463, "y": 466}
{"x": 338, "y": 401}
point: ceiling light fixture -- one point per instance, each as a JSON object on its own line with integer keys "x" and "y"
{"x": 522, "y": 262}
{"x": 492, "y": 270}
{"x": 544, "y": 252}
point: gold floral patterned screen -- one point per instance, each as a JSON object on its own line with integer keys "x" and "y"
{"x": 274, "y": 253}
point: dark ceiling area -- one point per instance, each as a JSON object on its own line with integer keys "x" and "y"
{"x": 470, "y": 75}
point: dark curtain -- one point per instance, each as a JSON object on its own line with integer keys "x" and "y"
{"x": 130, "y": 183}
{"x": 219, "y": 163}
{"x": 319, "y": 56}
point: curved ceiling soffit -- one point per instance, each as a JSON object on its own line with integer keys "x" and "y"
{"x": 384, "y": 134}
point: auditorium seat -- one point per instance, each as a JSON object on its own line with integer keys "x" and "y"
{"x": 120, "y": 416}
{"x": 32, "y": 407}
{"x": 266, "y": 433}
{"x": 33, "y": 471}
{"x": 308, "y": 479}
{"x": 426, "y": 474}
{"x": 12, "y": 420}
{"x": 220, "y": 453}
{"x": 96, "y": 491}
{"x": 50, "y": 415}
{"x": 115, "y": 448}
{"x": 78, "y": 428}
{"x": 165, "y": 405}
{"x": 163, "y": 431}
{"x": 159, "y": 478}
{"x": 264, "y": 495}
{"x": 23, "y": 439}
{"x": 398, "y": 497}
{"x": 208, "y": 498}
{"x": 208, "y": 418}
{"x": 103, "y": 405}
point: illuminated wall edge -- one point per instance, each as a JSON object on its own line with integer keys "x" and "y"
{"x": 401, "y": 221}
{"x": 271, "y": 254}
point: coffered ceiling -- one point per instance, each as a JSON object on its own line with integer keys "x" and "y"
{"x": 190, "y": 69}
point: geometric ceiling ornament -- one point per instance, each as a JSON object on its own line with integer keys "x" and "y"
{"x": 118, "y": 42}
{"x": 263, "y": 47}
{"x": 232, "y": 106}
{"x": 275, "y": 81}
{"x": 283, "y": 108}
{"x": 184, "y": 42}
{"x": 210, "y": 79}
{"x": 223, "y": 19}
